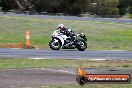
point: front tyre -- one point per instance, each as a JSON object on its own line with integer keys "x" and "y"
{"x": 81, "y": 44}
{"x": 55, "y": 44}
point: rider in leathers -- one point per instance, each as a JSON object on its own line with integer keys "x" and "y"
{"x": 66, "y": 31}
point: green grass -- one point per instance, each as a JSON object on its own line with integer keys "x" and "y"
{"x": 100, "y": 35}
{"x": 127, "y": 15}
{"x": 9, "y": 63}
{"x": 90, "y": 86}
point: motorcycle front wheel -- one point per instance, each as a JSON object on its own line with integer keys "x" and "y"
{"x": 55, "y": 44}
{"x": 81, "y": 44}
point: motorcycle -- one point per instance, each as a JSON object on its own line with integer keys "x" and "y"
{"x": 68, "y": 40}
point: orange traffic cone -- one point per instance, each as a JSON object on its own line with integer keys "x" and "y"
{"x": 27, "y": 38}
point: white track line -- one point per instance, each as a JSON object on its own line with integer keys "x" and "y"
{"x": 38, "y": 58}
{"x": 98, "y": 59}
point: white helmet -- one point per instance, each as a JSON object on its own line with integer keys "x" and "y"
{"x": 61, "y": 26}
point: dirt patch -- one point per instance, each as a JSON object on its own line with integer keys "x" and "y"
{"x": 31, "y": 78}
{"x": 16, "y": 45}
{"x": 34, "y": 77}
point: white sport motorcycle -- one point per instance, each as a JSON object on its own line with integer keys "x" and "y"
{"x": 68, "y": 40}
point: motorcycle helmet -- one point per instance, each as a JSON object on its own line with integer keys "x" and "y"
{"x": 61, "y": 26}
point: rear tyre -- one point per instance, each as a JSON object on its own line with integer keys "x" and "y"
{"x": 55, "y": 44}
{"x": 81, "y": 44}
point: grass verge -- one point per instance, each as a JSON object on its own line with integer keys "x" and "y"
{"x": 100, "y": 35}
{"x": 53, "y": 63}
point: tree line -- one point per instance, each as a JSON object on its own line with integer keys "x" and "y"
{"x": 73, "y": 7}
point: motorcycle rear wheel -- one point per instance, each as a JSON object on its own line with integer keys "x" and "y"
{"x": 55, "y": 45}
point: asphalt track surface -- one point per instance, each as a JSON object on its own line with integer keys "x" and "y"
{"x": 65, "y": 54}
{"x": 119, "y": 20}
